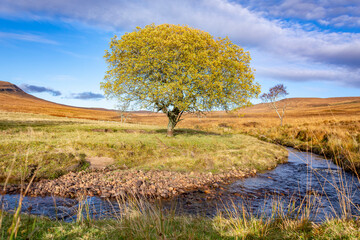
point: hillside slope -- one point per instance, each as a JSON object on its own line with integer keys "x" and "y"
{"x": 13, "y": 99}
{"x": 310, "y": 106}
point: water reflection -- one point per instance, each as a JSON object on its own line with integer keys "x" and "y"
{"x": 306, "y": 184}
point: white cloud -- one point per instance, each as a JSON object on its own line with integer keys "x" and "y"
{"x": 219, "y": 17}
{"x": 326, "y": 12}
{"x": 345, "y": 76}
{"x": 26, "y": 37}
{"x": 345, "y": 20}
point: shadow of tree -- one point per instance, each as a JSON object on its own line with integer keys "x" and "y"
{"x": 188, "y": 132}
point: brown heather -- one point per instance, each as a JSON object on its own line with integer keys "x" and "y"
{"x": 330, "y": 126}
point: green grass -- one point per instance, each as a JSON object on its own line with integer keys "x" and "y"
{"x": 131, "y": 227}
{"x": 59, "y": 145}
{"x": 153, "y": 224}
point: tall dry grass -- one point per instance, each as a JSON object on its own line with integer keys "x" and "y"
{"x": 335, "y": 136}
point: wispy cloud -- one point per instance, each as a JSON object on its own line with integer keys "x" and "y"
{"x": 87, "y": 96}
{"x": 38, "y": 89}
{"x": 334, "y": 12}
{"x": 77, "y": 55}
{"x": 344, "y": 76}
{"x": 219, "y": 17}
{"x": 26, "y": 37}
{"x": 245, "y": 25}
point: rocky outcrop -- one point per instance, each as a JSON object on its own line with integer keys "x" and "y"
{"x": 10, "y": 88}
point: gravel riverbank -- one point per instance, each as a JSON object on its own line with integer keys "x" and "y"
{"x": 107, "y": 183}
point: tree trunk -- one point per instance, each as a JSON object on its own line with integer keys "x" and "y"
{"x": 174, "y": 118}
{"x": 281, "y": 122}
{"x": 170, "y": 128}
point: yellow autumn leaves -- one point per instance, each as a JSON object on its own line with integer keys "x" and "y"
{"x": 170, "y": 66}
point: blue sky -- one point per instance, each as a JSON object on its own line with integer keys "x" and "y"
{"x": 54, "y": 49}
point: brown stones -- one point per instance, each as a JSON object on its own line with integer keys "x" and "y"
{"x": 119, "y": 183}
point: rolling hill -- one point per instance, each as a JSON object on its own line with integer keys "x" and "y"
{"x": 310, "y": 106}
{"x": 13, "y": 99}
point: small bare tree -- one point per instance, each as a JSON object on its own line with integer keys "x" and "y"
{"x": 122, "y": 109}
{"x": 275, "y": 94}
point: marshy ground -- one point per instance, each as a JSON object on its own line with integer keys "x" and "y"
{"x": 60, "y": 148}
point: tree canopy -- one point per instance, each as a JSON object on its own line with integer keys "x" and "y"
{"x": 177, "y": 69}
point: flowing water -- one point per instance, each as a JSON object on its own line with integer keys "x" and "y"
{"x": 306, "y": 184}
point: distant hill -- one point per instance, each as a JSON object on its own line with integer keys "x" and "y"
{"x": 309, "y": 106}
{"x": 13, "y": 99}
{"x": 6, "y": 87}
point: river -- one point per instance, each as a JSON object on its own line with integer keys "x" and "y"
{"x": 307, "y": 184}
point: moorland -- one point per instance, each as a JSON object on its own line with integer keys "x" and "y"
{"x": 50, "y": 145}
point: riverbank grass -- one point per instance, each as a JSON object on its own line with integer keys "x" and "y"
{"x": 157, "y": 225}
{"x": 335, "y": 136}
{"x": 59, "y": 145}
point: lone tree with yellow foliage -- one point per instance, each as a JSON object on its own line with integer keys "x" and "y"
{"x": 177, "y": 69}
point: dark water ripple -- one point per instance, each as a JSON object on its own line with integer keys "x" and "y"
{"x": 305, "y": 180}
